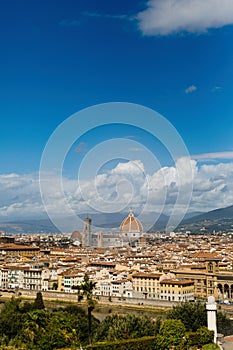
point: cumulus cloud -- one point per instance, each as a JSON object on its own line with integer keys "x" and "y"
{"x": 126, "y": 185}
{"x": 213, "y": 187}
{"x": 19, "y": 195}
{"x": 164, "y": 17}
{"x": 190, "y": 89}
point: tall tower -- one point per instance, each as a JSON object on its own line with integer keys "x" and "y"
{"x": 100, "y": 240}
{"x": 87, "y": 233}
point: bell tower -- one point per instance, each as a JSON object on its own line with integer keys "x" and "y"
{"x": 87, "y": 233}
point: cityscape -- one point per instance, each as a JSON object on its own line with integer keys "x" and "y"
{"x": 116, "y": 167}
{"x": 131, "y": 265}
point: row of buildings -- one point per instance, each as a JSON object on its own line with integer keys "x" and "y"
{"x": 155, "y": 267}
{"x": 110, "y": 282}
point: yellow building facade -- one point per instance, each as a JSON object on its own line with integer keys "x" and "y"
{"x": 209, "y": 280}
{"x": 157, "y": 286}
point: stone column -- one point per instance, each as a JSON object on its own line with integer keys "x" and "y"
{"x": 211, "y": 308}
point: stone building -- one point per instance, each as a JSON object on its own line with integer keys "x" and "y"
{"x": 208, "y": 278}
{"x": 12, "y": 249}
{"x": 130, "y": 233}
{"x": 159, "y": 286}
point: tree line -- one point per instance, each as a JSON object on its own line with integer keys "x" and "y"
{"x": 29, "y": 325}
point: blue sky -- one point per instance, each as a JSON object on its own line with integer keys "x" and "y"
{"x": 58, "y": 57}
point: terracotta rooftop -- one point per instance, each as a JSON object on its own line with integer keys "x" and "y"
{"x": 205, "y": 255}
{"x": 17, "y": 247}
{"x": 146, "y": 275}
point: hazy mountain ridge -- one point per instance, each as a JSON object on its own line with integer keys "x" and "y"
{"x": 101, "y": 222}
{"x": 219, "y": 219}
{"x": 215, "y": 220}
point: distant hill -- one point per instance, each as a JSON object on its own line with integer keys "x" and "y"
{"x": 105, "y": 222}
{"x": 192, "y": 214}
{"x": 28, "y": 226}
{"x": 215, "y": 220}
{"x": 161, "y": 223}
{"x": 45, "y": 225}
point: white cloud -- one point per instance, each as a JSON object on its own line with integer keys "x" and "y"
{"x": 216, "y": 88}
{"x": 19, "y": 195}
{"x": 136, "y": 149}
{"x": 190, "y": 89}
{"x": 213, "y": 156}
{"x": 213, "y": 187}
{"x": 127, "y": 185}
{"x": 105, "y": 15}
{"x": 164, "y": 17}
{"x": 132, "y": 168}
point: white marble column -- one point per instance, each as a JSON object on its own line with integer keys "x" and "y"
{"x": 211, "y": 308}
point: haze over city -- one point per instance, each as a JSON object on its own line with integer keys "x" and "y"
{"x": 59, "y": 58}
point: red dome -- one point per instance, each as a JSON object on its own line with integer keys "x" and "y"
{"x": 76, "y": 235}
{"x": 131, "y": 224}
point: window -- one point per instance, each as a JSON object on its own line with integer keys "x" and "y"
{"x": 210, "y": 267}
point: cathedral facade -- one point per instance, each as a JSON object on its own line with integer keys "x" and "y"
{"x": 130, "y": 231}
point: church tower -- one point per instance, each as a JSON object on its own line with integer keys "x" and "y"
{"x": 87, "y": 233}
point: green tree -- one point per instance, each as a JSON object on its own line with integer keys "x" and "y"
{"x": 34, "y": 327}
{"x": 85, "y": 291}
{"x": 10, "y": 319}
{"x": 38, "y": 302}
{"x": 52, "y": 329}
{"x": 199, "y": 338}
{"x": 26, "y": 306}
{"x": 224, "y": 324}
{"x": 171, "y": 333}
{"x": 24, "y": 327}
{"x": 205, "y": 336}
{"x": 60, "y": 332}
{"x": 119, "y": 327}
{"x": 193, "y": 315}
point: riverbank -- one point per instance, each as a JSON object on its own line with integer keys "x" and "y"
{"x": 103, "y": 308}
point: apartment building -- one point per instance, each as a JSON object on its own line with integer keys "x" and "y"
{"x": 114, "y": 288}
{"x": 175, "y": 290}
{"x": 27, "y": 277}
{"x": 146, "y": 285}
{"x": 158, "y": 286}
{"x": 69, "y": 279}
